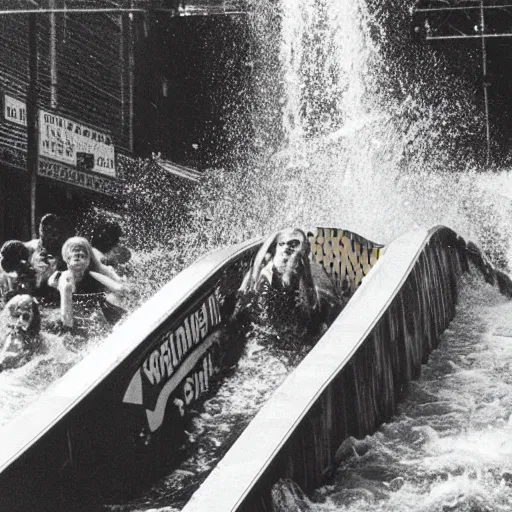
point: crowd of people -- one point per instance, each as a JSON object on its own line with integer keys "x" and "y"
{"x": 285, "y": 289}
{"x": 59, "y": 269}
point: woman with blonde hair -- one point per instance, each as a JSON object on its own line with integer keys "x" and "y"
{"x": 85, "y": 282}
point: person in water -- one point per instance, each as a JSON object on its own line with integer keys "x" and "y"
{"x": 106, "y": 240}
{"x": 27, "y": 266}
{"x": 53, "y": 232}
{"x": 287, "y": 291}
{"x": 45, "y": 252}
{"x": 18, "y": 275}
{"x": 20, "y": 325}
{"x": 85, "y": 283}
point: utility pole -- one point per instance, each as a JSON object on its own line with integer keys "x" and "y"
{"x": 463, "y": 22}
{"x": 131, "y": 68}
{"x": 485, "y": 83}
{"x": 53, "y": 56}
{"x": 32, "y": 117}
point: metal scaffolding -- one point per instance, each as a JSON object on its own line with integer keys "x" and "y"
{"x": 443, "y": 20}
{"x": 172, "y": 7}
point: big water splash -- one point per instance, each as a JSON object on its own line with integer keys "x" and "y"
{"x": 355, "y": 125}
{"x": 359, "y": 126}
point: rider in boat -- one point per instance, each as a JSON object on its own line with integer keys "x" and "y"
{"x": 84, "y": 286}
{"x": 20, "y": 324}
{"x": 288, "y": 292}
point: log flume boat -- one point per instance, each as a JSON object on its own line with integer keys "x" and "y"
{"x": 102, "y": 428}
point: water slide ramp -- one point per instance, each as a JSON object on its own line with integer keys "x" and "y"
{"x": 103, "y": 427}
{"x": 349, "y": 383}
{"x": 107, "y": 425}
{"x": 97, "y": 426}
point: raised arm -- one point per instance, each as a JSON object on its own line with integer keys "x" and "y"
{"x": 106, "y": 270}
{"x": 64, "y": 282}
{"x": 66, "y": 289}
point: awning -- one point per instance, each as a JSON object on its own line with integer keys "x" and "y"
{"x": 212, "y": 7}
{"x": 179, "y": 170}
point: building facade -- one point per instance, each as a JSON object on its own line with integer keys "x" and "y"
{"x": 102, "y": 81}
{"x": 83, "y": 92}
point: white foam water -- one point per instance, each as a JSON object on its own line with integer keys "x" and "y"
{"x": 357, "y": 126}
{"x": 447, "y": 448}
{"x": 351, "y": 131}
{"x": 19, "y": 387}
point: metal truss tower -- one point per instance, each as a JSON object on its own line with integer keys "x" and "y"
{"x": 450, "y": 20}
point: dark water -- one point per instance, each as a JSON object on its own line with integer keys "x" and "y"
{"x": 216, "y": 425}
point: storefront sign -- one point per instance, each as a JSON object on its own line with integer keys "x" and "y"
{"x": 61, "y": 139}
{"x": 14, "y": 157}
{"x": 15, "y": 111}
{"x": 73, "y": 176}
{"x": 66, "y": 141}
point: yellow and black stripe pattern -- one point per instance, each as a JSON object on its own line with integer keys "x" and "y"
{"x": 345, "y": 256}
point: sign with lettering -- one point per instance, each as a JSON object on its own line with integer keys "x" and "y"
{"x": 182, "y": 363}
{"x": 15, "y": 111}
{"x": 66, "y": 174}
{"x": 61, "y": 139}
